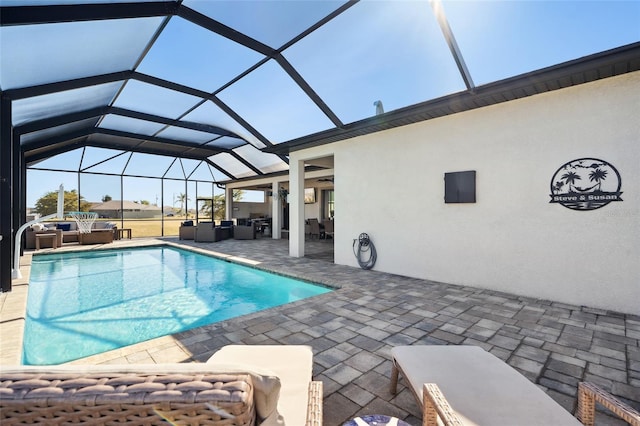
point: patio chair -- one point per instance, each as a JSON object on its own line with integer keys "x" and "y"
{"x": 207, "y": 232}
{"x": 187, "y": 230}
{"x": 328, "y": 228}
{"x": 244, "y": 232}
{"x": 314, "y": 228}
{"x": 465, "y": 385}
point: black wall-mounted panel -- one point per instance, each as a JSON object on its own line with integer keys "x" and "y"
{"x": 460, "y": 187}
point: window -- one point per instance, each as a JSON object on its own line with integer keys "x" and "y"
{"x": 460, "y": 187}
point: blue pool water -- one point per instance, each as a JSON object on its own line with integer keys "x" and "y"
{"x": 80, "y": 304}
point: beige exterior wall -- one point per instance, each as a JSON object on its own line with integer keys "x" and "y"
{"x": 390, "y": 185}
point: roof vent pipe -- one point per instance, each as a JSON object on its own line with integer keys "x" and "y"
{"x": 379, "y": 107}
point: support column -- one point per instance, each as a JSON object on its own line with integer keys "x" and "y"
{"x": 161, "y": 206}
{"x": 228, "y": 203}
{"x": 6, "y": 196}
{"x": 276, "y": 211}
{"x": 23, "y": 193}
{"x": 296, "y": 208}
{"x": 17, "y": 185}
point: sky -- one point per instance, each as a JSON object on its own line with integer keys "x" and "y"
{"x": 392, "y": 51}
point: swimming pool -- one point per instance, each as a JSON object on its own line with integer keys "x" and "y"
{"x": 84, "y": 303}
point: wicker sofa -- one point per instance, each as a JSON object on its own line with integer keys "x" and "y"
{"x": 215, "y": 393}
{"x": 97, "y": 236}
{"x": 67, "y": 233}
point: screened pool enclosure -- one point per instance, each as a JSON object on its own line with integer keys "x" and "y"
{"x": 161, "y": 100}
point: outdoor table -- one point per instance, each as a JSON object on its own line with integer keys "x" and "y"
{"x": 53, "y": 237}
{"x": 375, "y": 420}
{"x": 120, "y": 233}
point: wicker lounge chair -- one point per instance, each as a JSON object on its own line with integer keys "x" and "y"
{"x": 242, "y": 232}
{"x": 187, "y": 230}
{"x": 215, "y": 393}
{"x": 465, "y": 385}
{"x": 207, "y": 232}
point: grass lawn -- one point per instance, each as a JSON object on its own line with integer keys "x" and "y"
{"x": 151, "y": 228}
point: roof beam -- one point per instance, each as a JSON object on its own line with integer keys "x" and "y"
{"x": 78, "y": 83}
{"x": 319, "y": 24}
{"x": 61, "y": 86}
{"x": 95, "y": 112}
{"x": 220, "y": 169}
{"x": 170, "y": 85}
{"x": 140, "y": 149}
{"x": 289, "y": 69}
{"x": 38, "y": 145}
{"x": 145, "y": 138}
{"x": 59, "y": 120}
{"x": 56, "y": 140}
{"x": 29, "y": 15}
{"x": 214, "y": 130}
{"x": 37, "y": 156}
{"x": 34, "y": 158}
{"x": 246, "y": 163}
{"x": 438, "y": 11}
{"x": 231, "y": 113}
{"x": 45, "y": 89}
{"x": 108, "y": 159}
{"x": 100, "y": 111}
{"x": 225, "y": 31}
{"x": 253, "y": 44}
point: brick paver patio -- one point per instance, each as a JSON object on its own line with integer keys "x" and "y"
{"x": 352, "y": 329}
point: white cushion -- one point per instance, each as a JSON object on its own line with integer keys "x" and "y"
{"x": 37, "y": 227}
{"x": 481, "y": 388}
{"x": 293, "y": 364}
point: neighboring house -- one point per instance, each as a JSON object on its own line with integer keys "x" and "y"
{"x": 32, "y": 214}
{"x": 116, "y": 209}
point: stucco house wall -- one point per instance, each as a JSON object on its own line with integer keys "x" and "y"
{"x": 391, "y": 185}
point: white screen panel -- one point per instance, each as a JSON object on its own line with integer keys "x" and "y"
{"x": 46, "y": 53}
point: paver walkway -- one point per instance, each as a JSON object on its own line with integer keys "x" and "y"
{"x": 352, "y": 330}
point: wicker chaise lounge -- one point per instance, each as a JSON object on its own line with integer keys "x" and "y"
{"x": 465, "y": 385}
{"x": 215, "y": 393}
